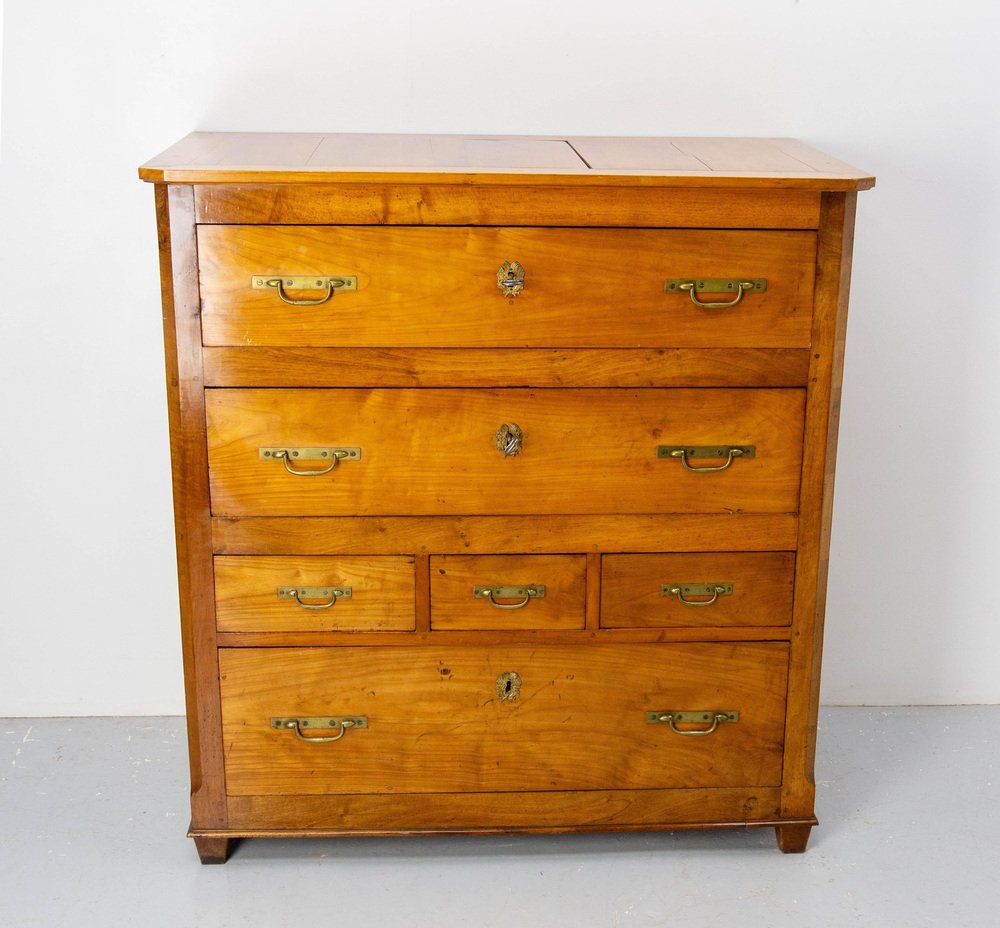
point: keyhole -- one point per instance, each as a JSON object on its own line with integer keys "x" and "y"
{"x": 508, "y": 686}
{"x": 509, "y": 439}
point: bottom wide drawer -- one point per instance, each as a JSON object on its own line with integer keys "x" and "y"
{"x": 521, "y": 717}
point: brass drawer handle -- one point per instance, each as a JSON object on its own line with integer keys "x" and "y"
{"x": 716, "y": 285}
{"x": 684, "y": 453}
{"x": 287, "y": 455}
{"x": 697, "y": 589}
{"x": 340, "y": 722}
{"x": 510, "y": 278}
{"x": 673, "y": 717}
{"x": 329, "y": 285}
{"x": 330, "y": 593}
{"x": 527, "y": 593}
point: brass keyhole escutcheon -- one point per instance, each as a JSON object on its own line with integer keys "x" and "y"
{"x": 508, "y": 686}
{"x": 510, "y": 278}
{"x": 509, "y": 439}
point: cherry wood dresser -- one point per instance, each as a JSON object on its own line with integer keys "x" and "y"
{"x": 503, "y": 472}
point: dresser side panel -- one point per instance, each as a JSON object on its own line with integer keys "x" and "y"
{"x": 192, "y": 522}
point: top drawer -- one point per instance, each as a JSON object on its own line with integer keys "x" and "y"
{"x": 438, "y": 286}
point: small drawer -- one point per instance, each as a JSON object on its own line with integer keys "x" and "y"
{"x": 385, "y": 286}
{"x": 508, "y": 591}
{"x": 696, "y": 590}
{"x": 503, "y": 718}
{"x": 358, "y": 452}
{"x": 314, "y": 594}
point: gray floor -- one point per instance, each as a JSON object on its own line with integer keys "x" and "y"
{"x": 92, "y": 818}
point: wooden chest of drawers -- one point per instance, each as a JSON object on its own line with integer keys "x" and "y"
{"x": 503, "y": 473}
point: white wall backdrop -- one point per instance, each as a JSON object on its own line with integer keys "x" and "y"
{"x": 88, "y": 612}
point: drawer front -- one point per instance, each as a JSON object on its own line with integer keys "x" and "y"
{"x": 436, "y": 722}
{"x": 317, "y": 594}
{"x": 432, "y": 287}
{"x": 508, "y": 591}
{"x": 435, "y": 452}
{"x": 696, "y": 590}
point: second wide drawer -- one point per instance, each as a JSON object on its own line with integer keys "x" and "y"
{"x": 517, "y": 451}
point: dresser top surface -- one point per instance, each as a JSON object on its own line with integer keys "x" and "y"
{"x": 266, "y": 157}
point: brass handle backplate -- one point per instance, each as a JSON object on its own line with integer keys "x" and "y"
{"x": 694, "y": 286}
{"x": 281, "y": 285}
{"x": 684, "y": 453}
{"x": 510, "y": 278}
{"x": 675, "y": 717}
{"x": 329, "y": 593}
{"x": 288, "y": 456}
{"x": 341, "y": 723}
{"x": 523, "y": 593}
{"x": 683, "y": 590}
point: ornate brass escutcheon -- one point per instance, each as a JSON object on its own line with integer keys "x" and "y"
{"x": 509, "y": 439}
{"x": 508, "y": 686}
{"x": 510, "y": 278}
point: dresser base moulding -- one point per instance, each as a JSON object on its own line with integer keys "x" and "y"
{"x": 215, "y": 847}
{"x": 550, "y": 810}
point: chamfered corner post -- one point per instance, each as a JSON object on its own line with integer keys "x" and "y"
{"x": 192, "y": 521}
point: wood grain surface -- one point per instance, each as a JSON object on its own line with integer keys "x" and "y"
{"x": 453, "y": 578}
{"x": 819, "y": 464}
{"x": 762, "y": 589}
{"x": 277, "y": 157}
{"x": 506, "y": 367}
{"x": 436, "y": 723}
{"x": 549, "y": 811}
{"x": 382, "y": 593}
{"x": 434, "y": 451}
{"x": 583, "y": 287}
{"x": 421, "y": 202}
{"x": 192, "y": 525}
{"x": 508, "y": 534}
